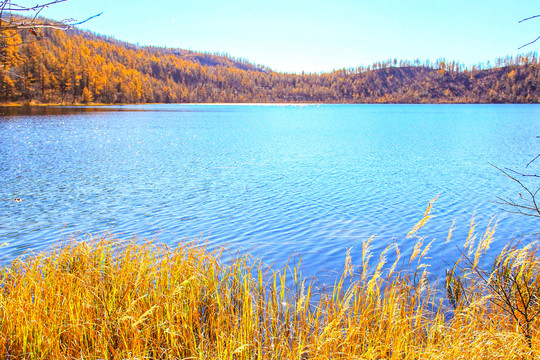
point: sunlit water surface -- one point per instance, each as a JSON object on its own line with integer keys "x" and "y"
{"x": 271, "y": 180}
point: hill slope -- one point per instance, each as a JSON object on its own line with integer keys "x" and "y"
{"x": 82, "y": 67}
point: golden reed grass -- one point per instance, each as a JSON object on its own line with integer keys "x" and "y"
{"x": 108, "y": 299}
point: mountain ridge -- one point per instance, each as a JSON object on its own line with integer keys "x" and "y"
{"x": 79, "y": 66}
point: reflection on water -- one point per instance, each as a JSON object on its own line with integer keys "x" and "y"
{"x": 48, "y": 110}
{"x": 271, "y": 180}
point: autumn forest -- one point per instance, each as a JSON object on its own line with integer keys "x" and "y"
{"x": 72, "y": 67}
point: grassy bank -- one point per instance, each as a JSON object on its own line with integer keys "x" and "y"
{"x": 111, "y": 299}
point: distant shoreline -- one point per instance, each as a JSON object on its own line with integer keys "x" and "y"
{"x": 89, "y": 105}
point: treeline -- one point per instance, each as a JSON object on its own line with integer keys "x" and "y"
{"x": 82, "y": 67}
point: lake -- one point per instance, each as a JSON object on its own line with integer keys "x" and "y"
{"x": 269, "y": 180}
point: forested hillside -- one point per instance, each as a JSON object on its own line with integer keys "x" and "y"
{"x": 81, "y": 67}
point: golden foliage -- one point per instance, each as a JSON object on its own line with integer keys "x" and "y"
{"x": 59, "y": 67}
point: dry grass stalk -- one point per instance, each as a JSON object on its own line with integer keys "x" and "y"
{"x": 108, "y": 299}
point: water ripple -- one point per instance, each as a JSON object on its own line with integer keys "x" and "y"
{"x": 274, "y": 181}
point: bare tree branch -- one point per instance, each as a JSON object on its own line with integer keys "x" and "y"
{"x": 82, "y": 22}
{"x": 529, "y": 18}
{"x": 530, "y": 162}
{"x": 11, "y": 17}
{"x": 518, "y": 173}
{"x": 527, "y": 205}
{"x": 527, "y": 44}
{"x": 535, "y": 40}
{"x": 17, "y": 7}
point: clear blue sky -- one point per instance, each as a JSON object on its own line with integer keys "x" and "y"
{"x": 318, "y": 35}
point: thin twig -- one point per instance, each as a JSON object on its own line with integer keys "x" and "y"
{"x": 530, "y": 162}
{"x": 82, "y": 22}
{"x": 529, "y": 18}
{"x": 530, "y": 205}
{"x": 518, "y": 173}
{"x": 527, "y": 44}
{"x": 17, "y": 7}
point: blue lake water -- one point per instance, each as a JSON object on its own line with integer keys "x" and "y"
{"x": 270, "y": 180}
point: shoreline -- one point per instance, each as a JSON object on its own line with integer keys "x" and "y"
{"x": 299, "y": 104}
